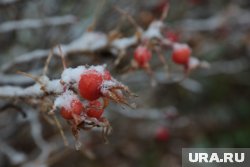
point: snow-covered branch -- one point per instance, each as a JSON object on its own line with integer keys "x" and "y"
{"x": 90, "y": 42}
{"x": 38, "y": 89}
{"x": 36, "y": 23}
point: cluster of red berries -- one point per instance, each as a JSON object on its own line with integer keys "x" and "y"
{"x": 156, "y": 39}
{"x": 83, "y": 89}
{"x": 92, "y": 109}
{"x": 89, "y": 87}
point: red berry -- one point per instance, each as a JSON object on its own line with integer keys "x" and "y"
{"x": 90, "y": 84}
{"x": 181, "y": 54}
{"x": 162, "y": 134}
{"x": 172, "y": 36}
{"x": 76, "y": 107}
{"x": 95, "y": 109}
{"x": 107, "y": 75}
{"x": 142, "y": 55}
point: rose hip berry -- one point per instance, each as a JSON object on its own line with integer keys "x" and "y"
{"x": 142, "y": 55}
{"x": 181, "y": 54}
{"x": 162, "y": 134}
{"x": 90, "y": 84}
{"x": 76, "y": 107}
{"x": 95, "y": 109}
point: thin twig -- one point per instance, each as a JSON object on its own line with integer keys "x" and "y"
{"x": 59, "y": 126}
{"x": 62, "y": 57}
{"x": 45, "y": 69}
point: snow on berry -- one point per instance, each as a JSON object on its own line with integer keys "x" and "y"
{"x": 65, "y": 99}
{"x": 76, "y": 108}
{"x": 72, "y": 75}
{"x": 94, "y": 82}
{"x": 142, "y": 55}
{"x": 69, "y": 104}
{"x": 181, "y": 53}
{"x": 99, "y": 68}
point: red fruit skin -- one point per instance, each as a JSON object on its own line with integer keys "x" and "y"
{"x": 162, "y": 134}
{"x": 142, "y": 55}
{"x": 76, "y": 107}
{"x": 107, "y": 75}
{"x": 90, "y": 84}
{"x": 95, "y": 109}
{"x": 181, "y": 55}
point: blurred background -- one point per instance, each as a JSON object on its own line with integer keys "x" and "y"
{"x": 209, "y": 109}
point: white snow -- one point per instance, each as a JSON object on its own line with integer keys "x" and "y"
{"x": 178, "y": 46}
{"x": 154, "y": 30}
{"x": 93, "y": 41}
{"x": 98, "y": 68}
{"x": 107, "y": 84}
{"x": 72, "y": 75}
{"x": 65, "y": 99}
{"x": 53, "y": 86}
{"x": 124, "y": 43}
{"x": 193, "y": 62}
{"x": 89, "y": 41}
